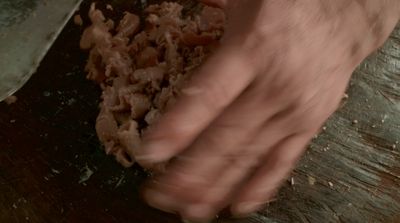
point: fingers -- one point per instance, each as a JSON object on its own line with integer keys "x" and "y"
{"x": 198, "y": 197}
{"x": 211, "y": 90}
{"x": 264, "y": 183}
{"x": 203, "y": 179}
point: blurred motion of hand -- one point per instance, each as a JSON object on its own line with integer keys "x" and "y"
{"x": 248, "y": 114}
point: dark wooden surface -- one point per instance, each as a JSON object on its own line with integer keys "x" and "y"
{"x": 48, "y": 148}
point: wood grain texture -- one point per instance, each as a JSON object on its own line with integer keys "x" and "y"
{"x": 48, "y": 145}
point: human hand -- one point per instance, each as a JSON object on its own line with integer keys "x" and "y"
{"x": 249, "y": 112}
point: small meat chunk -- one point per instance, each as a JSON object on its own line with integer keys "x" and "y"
{"x": 78, "y": 20}
{"x": 128, "y": 26}
{"x": 106, "y": 129}
{"x": 10, "y": 99}
{"x": 140, "y": 105}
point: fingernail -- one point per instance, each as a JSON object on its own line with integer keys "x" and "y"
{"x": 247, "y": 208}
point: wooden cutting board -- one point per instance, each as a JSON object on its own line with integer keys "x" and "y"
{"x": 53, "y": 170}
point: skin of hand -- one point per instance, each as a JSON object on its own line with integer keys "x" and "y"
{"x": 249, "y": 112}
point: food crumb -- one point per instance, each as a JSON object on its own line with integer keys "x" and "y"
{"x": 12, "y": 121}
{"x": 109, "y": 7}
{"x": 55, "y": 171}
{"x": 394, "y": 146}
{"x": 355, "y": 121}
{"x": 292, "y": 181}
{"x": 330, "y": 184}
{"x": 373, "y": 126}
{"x": 14, "y": 206}
{"x": 345, "y": 96}
{"x": 78, "y": 20}
{"x": 323, "y": 128}
{"x": 71, "y": 101}
{"x": 311, "y": 180}
{"x": 11, "y": 99}
{"x": 86, "y": 175}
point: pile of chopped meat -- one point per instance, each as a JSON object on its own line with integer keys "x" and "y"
{"x": 142, "y": 65}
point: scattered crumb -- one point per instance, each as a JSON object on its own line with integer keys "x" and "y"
{"x": 330, "y": 184}
{"x": 27, "y": 218}
{"x": 22, "y": 200}
{"x": 86, "y": 175}
{"x": 394, "y": 146}
{"x": 78, "y": 20}
{"x": 397, "y": 142}
{"x": 323, "y": 128}
{"x": 109, "y": 7}
{"x": 345, "y": 96}
{"x": 355, "y": 121}
{"x": 11, "y": 99}
{"x": 55, "y": 171}
{"x": 47, "y": 179}
{"x": 119, "y": 181}
{"x": 14, "y": 206}
{"x": 292, "y": 181}
{"x": 384, "y": 118}
{"x": 373, "y": 126}
{"x": 46, "y": 94}
{"x": 311, "y": 180}
{"x": 12, "y": 121}
{"x": 71, "y": 101}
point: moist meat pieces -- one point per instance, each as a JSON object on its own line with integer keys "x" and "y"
{"x": 142, "y": 65}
